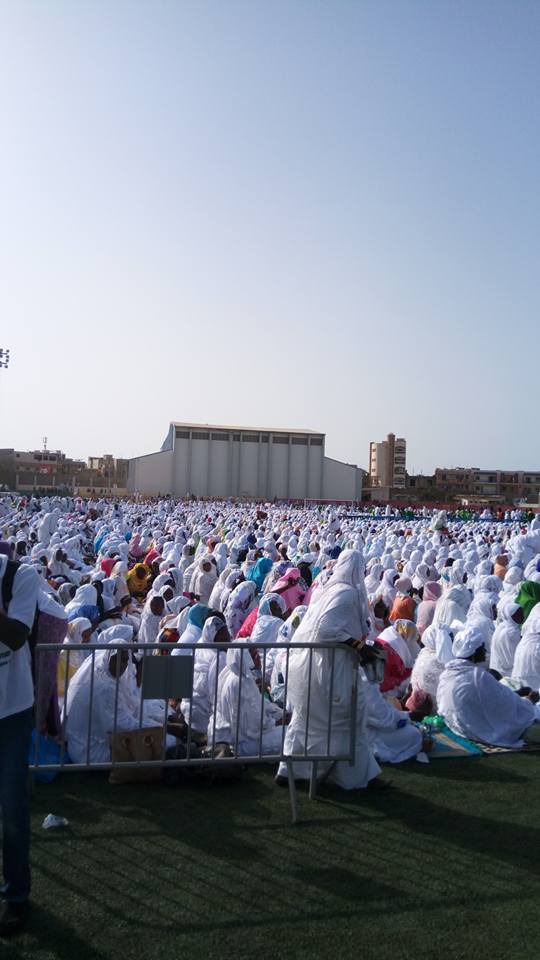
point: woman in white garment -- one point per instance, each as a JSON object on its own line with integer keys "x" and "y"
{"x": 286, "y": 634}
{"x": 402, "y": 643}
{"x": 475, "y": 705}
{"x": 387, "y": 589}
{"x": 244, "y": 720}
{"x": 198, "y": 709}
{"x": 203, "y": 580}
{"x": 506, "y": 636}
{"x": 240, "y": 602}
{"x": 435, "y": 654}
{"x": 86, "y": 595}
{"x": 527, "y": 657}
{"x": 79, "y": 631}
{"x": 339, "y": 616}
{"x": 450, "y": 608}
{"x": 223, "y": 589}
{"x": 112, "y": 705}
{"x": 269, "y": 621}
{"x": 392, "y": 737}
{"x": 373, "y": 578}
{"x": 196, "y": 619}
{"x": 512, "y": 581}
{"x": 482, "y": 613}
{"x": 154, "y": 608}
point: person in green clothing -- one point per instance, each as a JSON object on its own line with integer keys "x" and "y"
{"x": 528, "y": 597}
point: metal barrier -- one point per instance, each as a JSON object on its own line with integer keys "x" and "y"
{"x": 168, "y": 678}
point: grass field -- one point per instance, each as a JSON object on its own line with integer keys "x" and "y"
{"x": 444, "y": 865}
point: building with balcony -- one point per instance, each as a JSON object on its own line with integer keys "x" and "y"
{"x": 388, "y": 463}
{"x": 506, "y": 486}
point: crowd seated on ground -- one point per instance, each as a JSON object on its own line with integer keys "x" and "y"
{"x": 424, "y": 615}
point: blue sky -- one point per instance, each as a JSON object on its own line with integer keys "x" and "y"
{"x": 306, "y": 214}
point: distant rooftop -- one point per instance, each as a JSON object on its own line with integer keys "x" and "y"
{"x": 237, "y": 429}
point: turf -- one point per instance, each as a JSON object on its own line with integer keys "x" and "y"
{"x": 444, "y": 865}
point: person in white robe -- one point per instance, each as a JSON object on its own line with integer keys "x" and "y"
{"x": 392, "y": 736}
{"x": 436, "y": 652}
{"x": 450, "y": 607}
{"x": 198, "y": 709}
{"x": 243, "y": 719}
{"x": 203, "y": 580}
{"x": 286, "y": 634}
{"x": 154, "y": 609}
{"x": 91, "y": 724}
{"x": 527, "y": 656}
{"x": 266, "y": 630}
{"x": 506, "y": 636}
{"x": 338, "y": 616}
{"x": 239, "y": 604}
{"x": 197, "y": 615}
{"x": 475, "y": 705}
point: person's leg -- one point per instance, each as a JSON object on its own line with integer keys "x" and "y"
{"x": 15, "y": 735}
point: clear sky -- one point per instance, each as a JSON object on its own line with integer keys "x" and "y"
{"x": 305, "y": 214}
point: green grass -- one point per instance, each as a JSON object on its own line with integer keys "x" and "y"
{"x": 444, "y": 865}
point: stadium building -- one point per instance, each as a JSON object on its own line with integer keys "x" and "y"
{"x": 216, "y": 461}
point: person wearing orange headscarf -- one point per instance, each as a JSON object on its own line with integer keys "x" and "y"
{"x": 403, "y": 607}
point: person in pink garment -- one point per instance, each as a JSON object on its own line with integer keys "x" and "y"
{"x": 426, "y": 609}
{"x": 291, "y": 589}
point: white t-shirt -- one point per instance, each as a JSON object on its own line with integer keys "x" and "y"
{"x": 16, "y": 684}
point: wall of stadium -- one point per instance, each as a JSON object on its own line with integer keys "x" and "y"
{"x": 233, "y": 462}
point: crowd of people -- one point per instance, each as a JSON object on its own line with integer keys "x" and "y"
{"x": 399, "y": 621}
{"x": 450, "y": 608}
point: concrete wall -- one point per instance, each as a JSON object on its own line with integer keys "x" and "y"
{"x": 342, "y": 481}
{"x": 151, "y": 474}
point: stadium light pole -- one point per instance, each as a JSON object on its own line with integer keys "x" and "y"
{"x": 4, "y": 364}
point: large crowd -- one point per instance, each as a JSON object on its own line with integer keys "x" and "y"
{"x": 440, "y": 617}
{"x": 400, "y": 623}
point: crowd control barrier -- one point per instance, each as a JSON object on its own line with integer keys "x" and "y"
{"x": 169, "y": 678}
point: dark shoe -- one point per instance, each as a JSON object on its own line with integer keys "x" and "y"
{"x": 378, "y": 784}
{"x": 281, "y": 781}
{"x": 12, "y": 917}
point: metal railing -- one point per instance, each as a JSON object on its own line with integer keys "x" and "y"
{"x": 168, "y": 678}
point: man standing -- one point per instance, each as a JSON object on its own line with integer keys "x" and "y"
{"x": 19, "y": 587}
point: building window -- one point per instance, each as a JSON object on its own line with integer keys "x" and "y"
{"x": 182, "y": 434}
{"x": 264, "y": 438}
{"x": 250, "y": 437}
{"x": 220, "y": 436}
{"x": 316, "y": 442}
{"x": 200, "y": 435}
{"x": 299, "y": 440}
{"x": 280, "y": 439}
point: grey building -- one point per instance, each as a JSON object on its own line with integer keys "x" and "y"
{"x": 216, "y": 461}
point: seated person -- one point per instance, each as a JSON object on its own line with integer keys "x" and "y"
{"x": 435, "y": 653}
{"x": 404, "y": 607}
{"x": 475, "y": 705}
{"x": 198, "y": 709}
{"x": 90, "y": 720}
{"x": 401, "y": 641}
{"x": 239, "y": 709}
{"x": 392, "y": 737}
